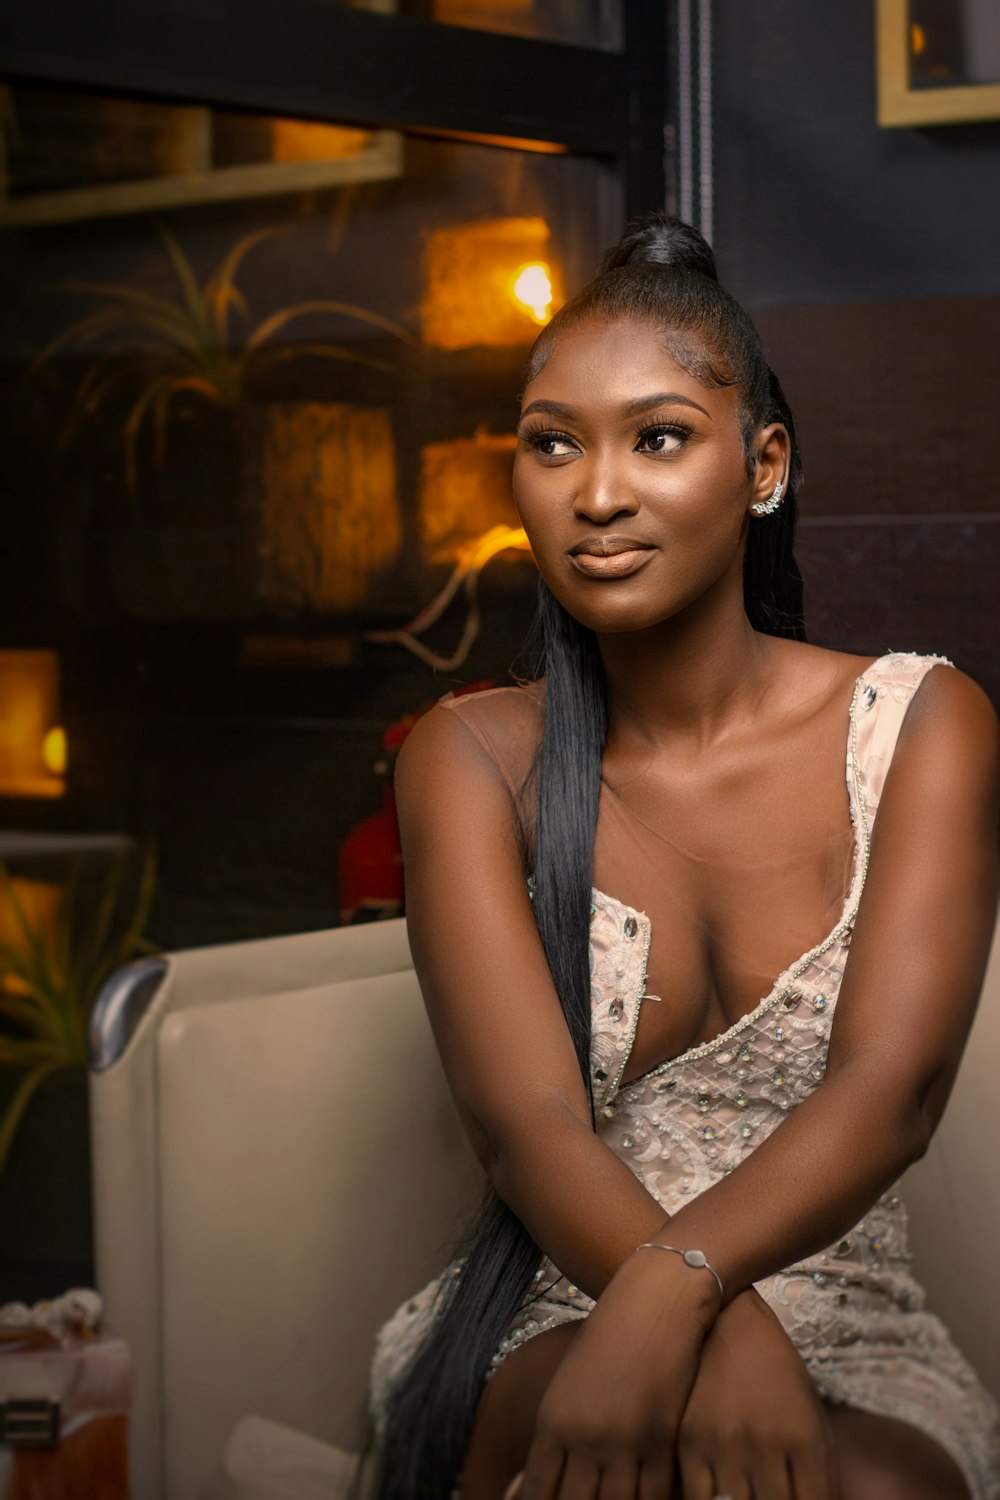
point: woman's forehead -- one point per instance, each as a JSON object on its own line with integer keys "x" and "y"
{"x": 617, "y": 363}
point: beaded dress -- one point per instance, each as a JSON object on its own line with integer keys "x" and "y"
{"x": 854, "y": 1311}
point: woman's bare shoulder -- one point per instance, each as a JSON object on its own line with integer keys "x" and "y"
{"x": 503, "y": 724}
{"x": 516, "y": 704}
{"x": 956, "y": 723}
{"x": 816, "y": 678}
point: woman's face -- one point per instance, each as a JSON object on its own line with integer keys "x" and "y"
{"x": 631, "y": 479}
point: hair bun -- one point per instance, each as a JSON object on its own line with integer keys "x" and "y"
{"x": 658, "y": 239}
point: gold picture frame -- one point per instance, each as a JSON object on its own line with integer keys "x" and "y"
{"x": 899, "y": 104}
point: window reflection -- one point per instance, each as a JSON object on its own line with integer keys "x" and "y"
{"x": 584, "y": 23}
{"x": 954, "y": 42}
{"x": 250, "y": 442}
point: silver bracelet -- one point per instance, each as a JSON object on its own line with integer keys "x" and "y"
{"x": 694, "y": 1258}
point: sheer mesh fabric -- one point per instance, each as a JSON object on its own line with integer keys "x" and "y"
{"x": 720, "y": 930}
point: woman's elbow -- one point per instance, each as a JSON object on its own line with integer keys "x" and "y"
{"x": 513, "y": 1146}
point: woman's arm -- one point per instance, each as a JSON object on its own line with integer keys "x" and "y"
{"x": 516, "y": 1082}
{"x": 496, "y": 1018}
{"x": 907, "y": 1000}
{"x": 910, "y": 987}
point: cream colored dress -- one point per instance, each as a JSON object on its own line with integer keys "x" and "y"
{"x": 854, "y": 1311}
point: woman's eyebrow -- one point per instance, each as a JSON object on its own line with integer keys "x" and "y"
{"x": 662, "y": 398}
{"x": 551, "y": 409}
{"x": 629, "y": 408}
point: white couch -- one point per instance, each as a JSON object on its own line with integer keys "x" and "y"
{"x": 277, "y": 1164}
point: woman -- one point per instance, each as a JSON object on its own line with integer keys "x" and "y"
{"x": 691, "y": 1277}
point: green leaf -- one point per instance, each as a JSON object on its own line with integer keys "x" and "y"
{"x": 168, "y": 385}
{"x": 190, "y": 289}
{"x": 341, "y": 309}
{"x": 220, "y": 289}
{"x": 161, "y": 309}
{"x": 83, "y": 332}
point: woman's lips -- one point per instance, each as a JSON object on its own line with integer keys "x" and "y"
{"x": 610, "y": 564}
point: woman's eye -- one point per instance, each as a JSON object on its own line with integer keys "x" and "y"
{"x": 550, "y": 444}
{"x": 661, "y": 439}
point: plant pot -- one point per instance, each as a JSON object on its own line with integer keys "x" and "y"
{"x": 323, "y": 474}
{"x": 311, "y": 524}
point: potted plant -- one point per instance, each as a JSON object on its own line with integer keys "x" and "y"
{"x": 319, "y": 503}
{"x": 50, "y": 975}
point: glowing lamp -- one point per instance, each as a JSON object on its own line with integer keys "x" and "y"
{"x": 487, "y": 282}
{"x": 533, "y": 290}
{"x": 54, "y": 751}
{"x": 32, "y": 751}
{"x": 918, "y": 39}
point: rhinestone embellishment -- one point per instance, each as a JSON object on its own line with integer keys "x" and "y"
{"x": 617, "y": 1008}
{"x": 631, "y": 928}
{"x": 741, "y": 1099}
{"x": 868, "y": 697}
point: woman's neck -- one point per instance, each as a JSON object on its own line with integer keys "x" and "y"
{"x": 691, "y": 680}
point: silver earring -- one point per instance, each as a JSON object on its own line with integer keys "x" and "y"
{"x": 770, "y": 505}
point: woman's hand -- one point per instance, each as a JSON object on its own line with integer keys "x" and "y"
{"x": 607, "y": 1426}
{"x": 753, "y": 1425}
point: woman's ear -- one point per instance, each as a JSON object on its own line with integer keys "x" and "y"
{"x": 773, "y": 461}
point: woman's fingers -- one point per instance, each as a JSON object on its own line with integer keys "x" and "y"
{"x": 656, "y": 1479}
{"x": 620, "y": 1480}
{"x": 697, "y": 1482}
{"x": 543, "y": 1470}
{"x": 580, "y": 1479}
{"x": 813, "y": 1474}
{"x": 732, "y": 1479}
{"x": 734, "y": 1482}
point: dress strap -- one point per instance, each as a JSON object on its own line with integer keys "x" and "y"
{"x": 885, "y": 691}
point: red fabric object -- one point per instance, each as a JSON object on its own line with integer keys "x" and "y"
{"x": 371, "y": 867}
{"x": 371, "y": 859}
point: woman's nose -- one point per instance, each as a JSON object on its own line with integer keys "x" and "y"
{"x": 603, "y": 492}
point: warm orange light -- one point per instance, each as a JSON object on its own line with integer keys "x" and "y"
{"x": 533, "y": 289}
{"x": 331, "y": 517}
{"x": 464, "y": 491}
{"x": 54, "y": 751}
{"x": 918, "y": 39}
{"x": 305, "y": 140}
{"x": 470, "y": 271}
{"x": 29, "y": 707}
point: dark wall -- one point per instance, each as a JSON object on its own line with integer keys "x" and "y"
{"x": 871, "y": 261}
{"x": 814, "y": 201}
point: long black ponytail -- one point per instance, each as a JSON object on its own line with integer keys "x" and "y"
{"x": 662, "y": 273}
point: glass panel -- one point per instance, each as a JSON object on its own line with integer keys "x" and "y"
{"x": 81, "y": 156}
{"x": 584, "y": 23}
{"x": 257, "y": 448}
{"x": 954, "y": 42}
